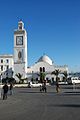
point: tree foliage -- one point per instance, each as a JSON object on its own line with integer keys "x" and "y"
{"x": 20, "y": 77}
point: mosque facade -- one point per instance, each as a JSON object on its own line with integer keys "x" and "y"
{"x": 48, "y": 66}
{"x": 17, "y": 63}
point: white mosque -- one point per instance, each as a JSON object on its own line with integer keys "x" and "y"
{"x": 47, "y": 65}
{"x": 10, "y": 65}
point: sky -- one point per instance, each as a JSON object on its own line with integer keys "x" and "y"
{"x": 53, "y": 28}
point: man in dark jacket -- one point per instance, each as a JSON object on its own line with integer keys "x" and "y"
{"x": 5, "y": 91}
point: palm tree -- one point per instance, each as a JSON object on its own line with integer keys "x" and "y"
{"x": 20, "y": 78}
{"x": 42, "y": 76}
{"x": 56, "y": 73}
{"x": 65, "y": 75}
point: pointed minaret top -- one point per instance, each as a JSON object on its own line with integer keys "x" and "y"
{"x": 20, "y": 25}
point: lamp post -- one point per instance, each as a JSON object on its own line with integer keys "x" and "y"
{"x": 0, "y": 85}
{"x": 32, "y": 80}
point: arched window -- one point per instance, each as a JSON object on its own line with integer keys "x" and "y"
{"x": 43, "y": 69}
{"x": 40, "y": 69}
{"x": 19, "y": 55}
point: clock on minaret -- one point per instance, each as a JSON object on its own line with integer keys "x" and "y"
{"x": 19, "y": 40}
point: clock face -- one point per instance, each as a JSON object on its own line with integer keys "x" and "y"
{"x": 19, "y": 40}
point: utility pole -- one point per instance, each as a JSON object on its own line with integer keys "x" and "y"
{"x": 0, "y": 85}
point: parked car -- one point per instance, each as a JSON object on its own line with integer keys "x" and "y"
{"x": 73, "y": 80}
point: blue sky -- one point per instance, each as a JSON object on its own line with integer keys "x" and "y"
{"x": 53, "y": 28}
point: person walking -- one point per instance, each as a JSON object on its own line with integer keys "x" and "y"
{"x": 40, "y": 88}
{"x": 11, "y": 87}
{"x": 44, "y": 86}
{"x": 57, "y": 86}
{"x": 5, "y": 91}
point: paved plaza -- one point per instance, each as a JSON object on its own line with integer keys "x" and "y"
{"x": 30, "y": 104}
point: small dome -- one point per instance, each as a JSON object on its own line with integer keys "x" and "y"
{"x": 46, "y": 59}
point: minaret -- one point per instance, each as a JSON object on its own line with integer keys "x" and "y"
{"x": 20, "y": 50}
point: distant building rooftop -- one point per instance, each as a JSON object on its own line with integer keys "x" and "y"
{"x": 6, "y": 56}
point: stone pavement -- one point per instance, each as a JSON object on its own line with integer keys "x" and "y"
{"x": 30, "y": 104}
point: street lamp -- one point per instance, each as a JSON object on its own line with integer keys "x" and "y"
{"x": 0, "y": 85}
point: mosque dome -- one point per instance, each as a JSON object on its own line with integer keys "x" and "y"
{"x": 46, "y": 59}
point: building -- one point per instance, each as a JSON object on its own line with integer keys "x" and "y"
{"x": 20, "y": 50}
{"x": 17, "y": 63}
{"x": 6, "y": 65}
{"x": 48, "y": 66}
